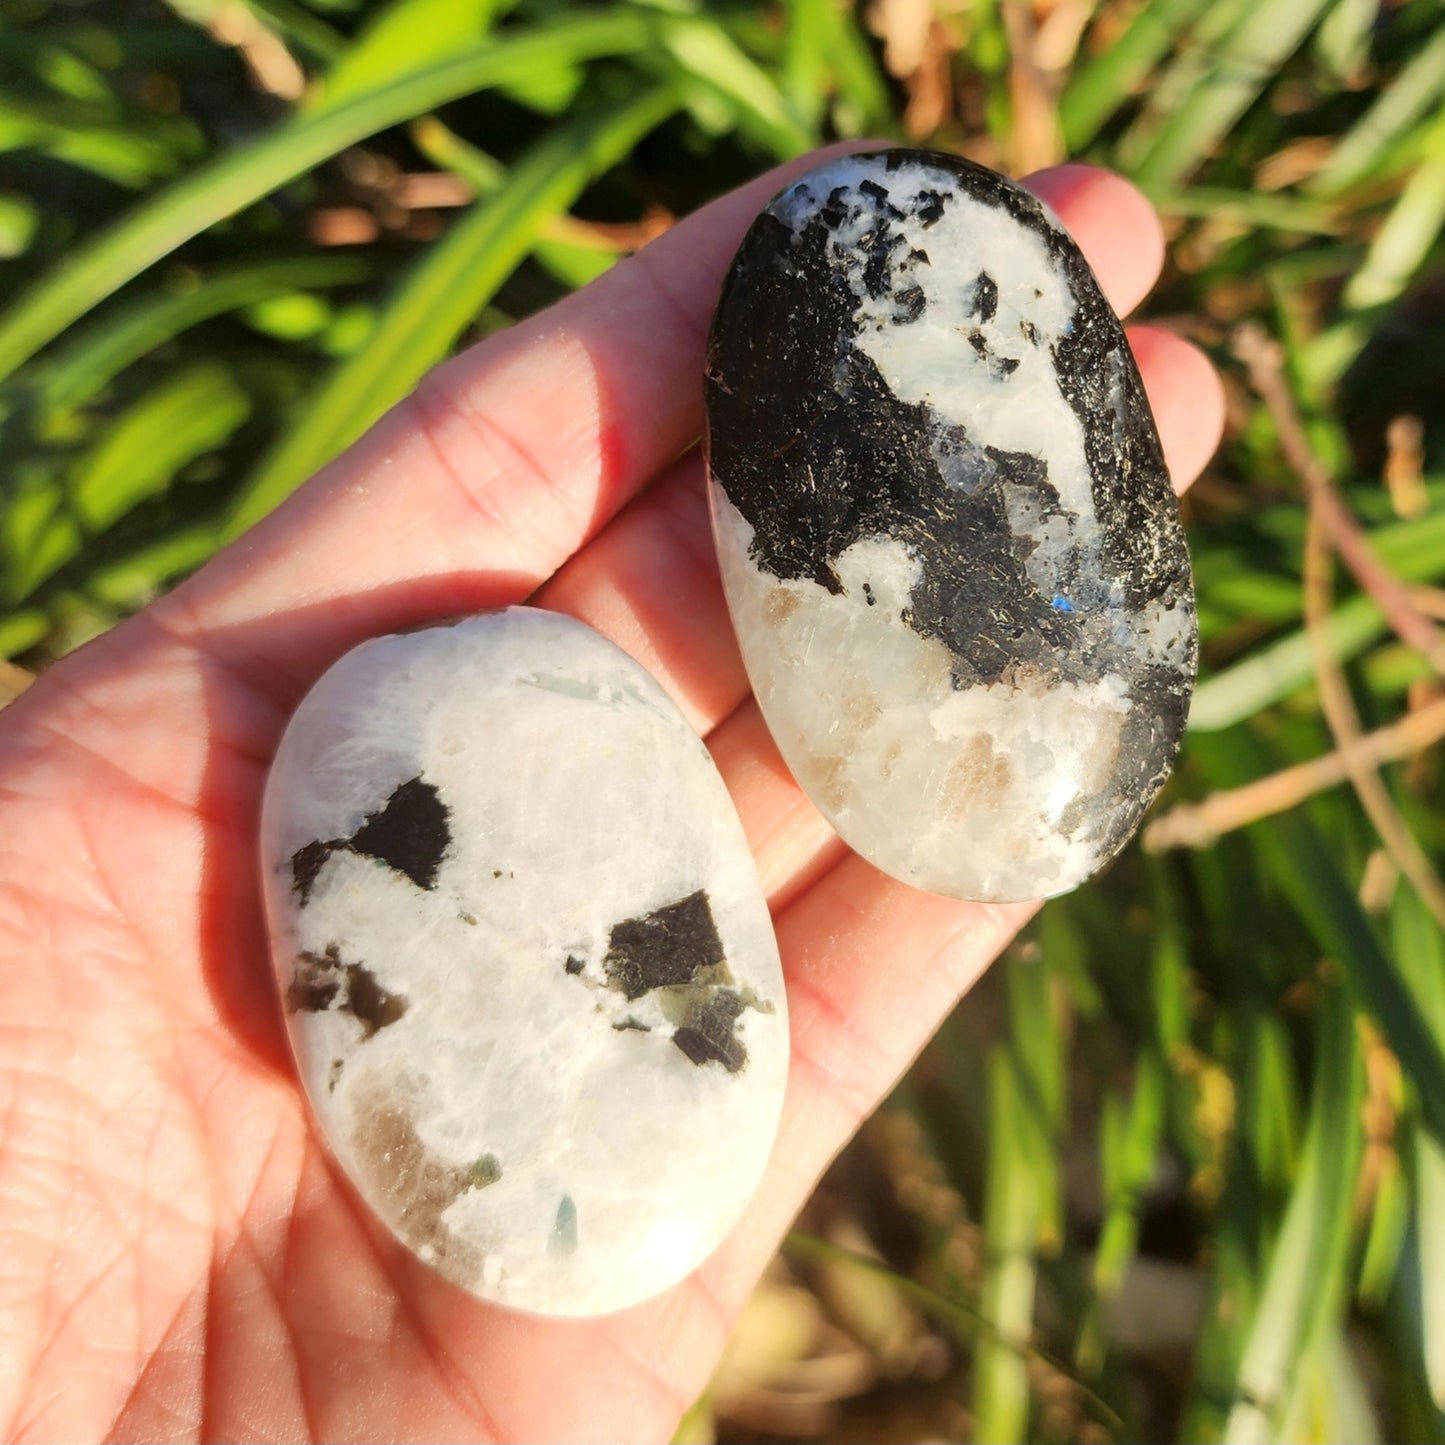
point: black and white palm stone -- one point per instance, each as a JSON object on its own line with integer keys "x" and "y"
{"x": 526, "y": 963}
{"x": 946, "y": 531}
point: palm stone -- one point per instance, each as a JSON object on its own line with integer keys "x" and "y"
{"x": 946, "y": 531}
{"x": 525, "y": 959}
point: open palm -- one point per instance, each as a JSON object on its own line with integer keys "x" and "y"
{"x": 178, "y": 1256}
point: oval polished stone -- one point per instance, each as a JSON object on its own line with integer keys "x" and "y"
{"x": 527, "y": 966}
{"x": 947, "y": 536}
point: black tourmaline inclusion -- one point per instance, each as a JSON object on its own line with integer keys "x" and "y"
{"x": 664, "y": 948}
{"x": 410, "y": 833}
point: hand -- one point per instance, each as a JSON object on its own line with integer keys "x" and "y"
{"x": 178, "y": 1256}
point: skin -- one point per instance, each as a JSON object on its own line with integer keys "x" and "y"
{"x": 178, "y": 1257}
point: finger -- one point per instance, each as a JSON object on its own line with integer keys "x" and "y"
{"x": 1187, "y": 398}
{"x": 792, "y": 843}
{"x": 1115, "y": 227}
{"x": 650, "y": 584}
{"x": 856, "y": 1023}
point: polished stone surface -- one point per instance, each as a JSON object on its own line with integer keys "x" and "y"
{"x": 526, "y": 962}
{"x": 948, "y": 539}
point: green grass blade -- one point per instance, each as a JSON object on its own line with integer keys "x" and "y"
{"x": 32, "y": 541}
{"x": 57, "y": 68}
{"x": 1388, "y": 1230}
{"x": 92, "y": 359}
{"x": 20, "y": 631}
{"x": 1271, "y": 1125}
{"x": 120, "y": 575}
{"x": 1408, "y": 97}
{"x": 1011, "y": 1219}
{"x": 1169, "y": 983}
{"x": 1331, "y": 1399}
{"x": 805, "y": 65}
{"x": 1234, "y": 588}
{"x": 1023, "y": 1204}
{"x": 1099, "y": 88}
{"x": 404, "y": 37}
{"x": 1305, "y": 1282}
{"x": 1414, "y": 550}
{"x": 132, "y": 576}
{"x": 1195, "y": 57}
{"x": 1403, "y": 243}
{"x": 127, "y": 155}
{"x": 574, "y": 266}
{"x": 444, "y": 292}
{"x": 237, "y": 178}
{"x": 1247, "y": 62}
{"x": 1419, "y": 948}
{"x": 305, "y": 30}
{"x": 136, "y": 457}
{"x": 1280, "y": 669}
{"x": 710, "y": 59}
{"x": 1252, "y": 209}
{"x": 1131, "y": 1134}
{"x": 1430, "y": 1261}
{"x": 828, "y": 69}
{"x": 958, "y": 1314}
{"x": 1234, "y": 1285}
{"x": 441, "y": 145}
{"x": 1309, "y": 876}
{"x": 1342, "y": 43}
{"x": 139, "y": 453}
{"x": 861, "y": 87}
{"x": 19, "y": 221}
{"x": 1034, "y": 1025}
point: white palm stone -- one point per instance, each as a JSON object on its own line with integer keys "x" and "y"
{"x": 945, "y": 528}
{"x": 527, "y": 966}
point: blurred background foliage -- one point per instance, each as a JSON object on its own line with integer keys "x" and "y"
{"x": 1170, "y": 1171}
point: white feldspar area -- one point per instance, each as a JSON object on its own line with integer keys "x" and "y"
{"x": 548, "y": 1044}
{"x": 1006, "y": 390}
{"x": 964, "y": 792}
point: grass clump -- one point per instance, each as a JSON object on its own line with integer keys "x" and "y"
{"x": 1173, "y": 1170}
